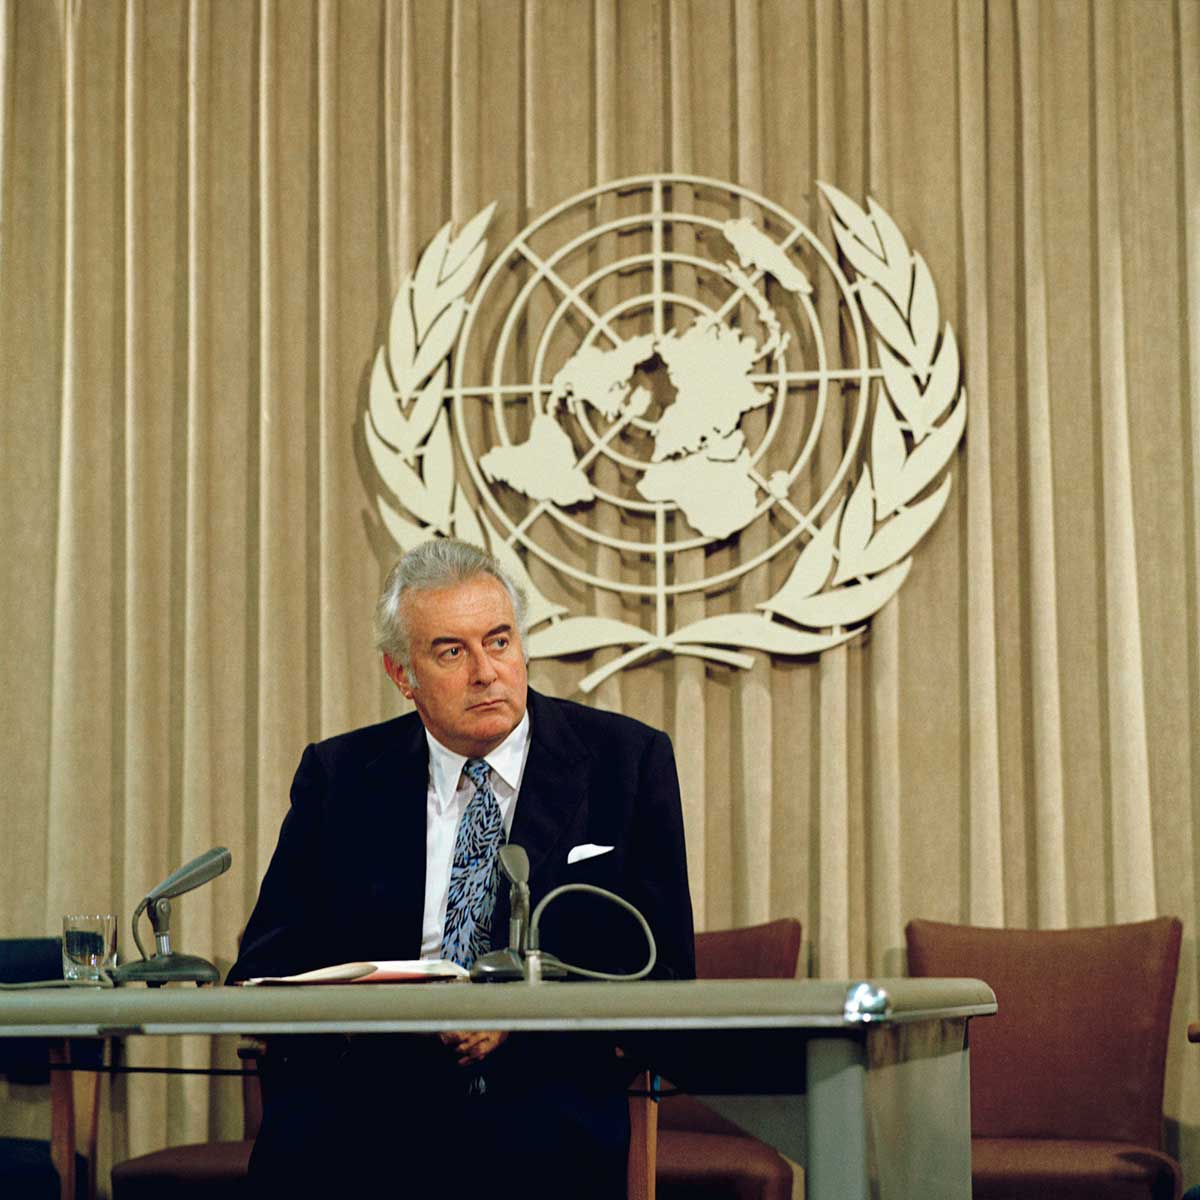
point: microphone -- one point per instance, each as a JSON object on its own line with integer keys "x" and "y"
{"x": 506, "y": 966}
{"x": 165, "y": 965}
{"x": 514, "y": 862}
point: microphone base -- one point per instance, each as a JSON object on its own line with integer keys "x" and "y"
{"x": 498, "y": 966}
{"x": 505, "y": 966}
{"x": 167, "y": 968}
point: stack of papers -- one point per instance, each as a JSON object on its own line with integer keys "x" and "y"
{"x": 412, "y": 970}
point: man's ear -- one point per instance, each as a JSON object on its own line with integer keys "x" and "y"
{"x": 397, "y": 675}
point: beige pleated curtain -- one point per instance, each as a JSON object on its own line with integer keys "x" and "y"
{"x": 205, "y": 210}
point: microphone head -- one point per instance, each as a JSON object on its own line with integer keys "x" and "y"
{"x": 200, "y": 870}
{"x": 514, "y": 862}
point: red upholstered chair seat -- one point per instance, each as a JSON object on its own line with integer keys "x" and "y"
{"x": 722, "y": 1166}
{"x": 1013, "y": 1168}
{"x": 214, "y": 1170}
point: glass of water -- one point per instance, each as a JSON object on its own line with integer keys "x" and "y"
{"x": 89, "y": 945}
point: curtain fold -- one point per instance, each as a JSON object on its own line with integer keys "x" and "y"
{"x": 984, "y": 818}
{"x": 1133, "y": 870}
{"x": 1043, "y": 662}
{"x": 206, "y": 210}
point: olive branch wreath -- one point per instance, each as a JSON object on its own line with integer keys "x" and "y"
{"x": 854, "y": 562}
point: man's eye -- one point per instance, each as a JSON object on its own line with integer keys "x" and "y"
{"x": 452, "y": 652}
{"x": 500, "y": 643}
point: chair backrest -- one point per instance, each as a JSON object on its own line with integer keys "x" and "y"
{"x": 74, "y": 1098}
{"x": 24, "y": 960}
{"x": 1078, "y": 1047}
{"x": 769, "y": 951}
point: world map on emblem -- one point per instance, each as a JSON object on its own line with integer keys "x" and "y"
{"x": 656, "y": 350}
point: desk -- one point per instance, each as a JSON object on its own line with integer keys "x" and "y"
{"x": 874, "y": 1104}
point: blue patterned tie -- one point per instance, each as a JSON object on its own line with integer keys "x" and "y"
{"x": 473, "y": 873}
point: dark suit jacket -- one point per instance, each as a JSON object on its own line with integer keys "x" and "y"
{"x": 347, "y": 880}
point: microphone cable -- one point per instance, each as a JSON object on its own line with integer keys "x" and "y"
{"x": 587, "y": 972}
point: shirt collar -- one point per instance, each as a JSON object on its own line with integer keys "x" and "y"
{"x": 507, "y": 761}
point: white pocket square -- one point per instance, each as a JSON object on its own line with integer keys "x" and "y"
{"x": 587, "y": 850}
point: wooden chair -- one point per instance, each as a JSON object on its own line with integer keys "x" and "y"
{"x": 699, "y": 1152}
{"x": 1067, "y": 1078}
{"x": 199, "y": 1170}
{"x": 52, "y": 1168}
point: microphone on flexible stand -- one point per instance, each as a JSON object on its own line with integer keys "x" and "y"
{"x": 505, "y": 966}
{"x": 165, "y": 965}
{"x": 524, "y": 958}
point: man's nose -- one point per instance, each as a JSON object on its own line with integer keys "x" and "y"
{"x": 483, "y": 670}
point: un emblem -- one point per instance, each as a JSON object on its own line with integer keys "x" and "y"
{"x": 647, "y": 371}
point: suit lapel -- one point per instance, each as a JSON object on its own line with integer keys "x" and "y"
{"x": 552, "y": 789}
{"x": 553, "y": 786}
{"x": 395, "y": 788}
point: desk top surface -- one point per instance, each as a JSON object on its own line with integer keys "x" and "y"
{"x": 817, "y": 1005}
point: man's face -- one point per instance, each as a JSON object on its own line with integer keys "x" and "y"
{"x": 468, "y": 676}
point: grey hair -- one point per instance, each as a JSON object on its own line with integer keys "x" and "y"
{"x": 439, "y": 563}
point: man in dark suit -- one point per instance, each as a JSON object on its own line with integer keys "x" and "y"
{"x": 374, "y": 862}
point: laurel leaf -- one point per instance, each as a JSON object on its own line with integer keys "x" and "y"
{"x": 811, "y": 570}
{"x": 755, "y": 633}
{"x": 857, "y": 526}
{"x": 461, "y": 279}
{"x": 537, "y": 607}
{"x": 887, "y": 457}
{"x": 383, "y": 454}
{"x": 468, "y": 243}
{"x": 427, "y": 406}
{"x": 931, "y": 455}
{"x": 895, "y": 252}
{"x": 923, "y": 317}
{"x": 897, "y": 537}
{"x": 845, "y": 606}
{"x": 578, "y": 634}
{"x": 864, "y": 260}
{"x": 385, "y": 408}
{"x": 404, "y": 533}
{"x": 466, "y": 525}
{"x": 901, "y": 385}
{"x": 437, "y": 342}
{"x": 401, "y": 480}
{"x": 886, "y": 318}
{"x": 943, "y": 383}
{"x": 438, "y": 471}
{"x": 402, "y": 341}
{"x": 853, "y": 219}
{"x": 427, "y": 302}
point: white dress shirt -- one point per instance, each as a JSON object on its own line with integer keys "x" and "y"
{"x": 449, "y": 793}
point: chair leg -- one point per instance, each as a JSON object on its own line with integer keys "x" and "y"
{"x": 643, "y": 1140}
{"x": 87, "y": 1107}
{"x": 62, "y": 1119}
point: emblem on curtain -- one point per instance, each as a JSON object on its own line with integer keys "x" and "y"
{"x": 657, "y": 388}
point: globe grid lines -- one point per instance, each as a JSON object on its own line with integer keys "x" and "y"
{"x": 575, "y": 297}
